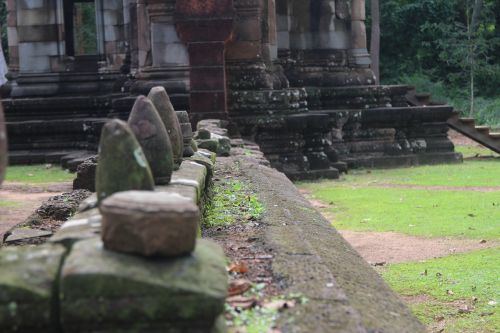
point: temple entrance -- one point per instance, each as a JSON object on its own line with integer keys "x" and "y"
{"x": 81, "y": 33}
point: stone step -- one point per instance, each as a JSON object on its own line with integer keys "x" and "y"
{"x": 468, "y": 121}
{"x": 483, "y": 129}
{"x": 495, "y": 135}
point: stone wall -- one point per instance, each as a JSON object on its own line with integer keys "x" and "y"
{"x": 130, "y": 259}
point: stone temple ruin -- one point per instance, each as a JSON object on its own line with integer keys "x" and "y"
{"x": 290, "y": 80}
{"x": 291, "y": 75}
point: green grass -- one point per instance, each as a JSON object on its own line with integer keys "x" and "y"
{"x": 414, "y": 212}
{"x": 37, "y": 174}
{"x": 359, "y": 201}
{"x": 468, "y": 174}
{"x": 473, "y": 278}
{"x": 8, "y": 203}
{"x": 470, "y": 151}
{"x": 232, "y": 201}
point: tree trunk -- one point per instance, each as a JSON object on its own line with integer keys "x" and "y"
{"x": 474, "y": 25}
{"x": 375, "y": 39}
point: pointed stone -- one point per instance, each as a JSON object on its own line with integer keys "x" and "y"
{"x": 161, "y": 101}
{"x": 122, "y": 165}
{"x": 149, "y": 130}
{"x": 187, "y": 132}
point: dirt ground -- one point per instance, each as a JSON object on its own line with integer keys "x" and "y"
{"x": 380, "y": 248}
{"x": 25, "y": 200}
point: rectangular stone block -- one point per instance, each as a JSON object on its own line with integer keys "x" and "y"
{"x": 104, "y": 291}
{"x": 244, "y": 50}
{"x": 38, "y": 33}
{"x": 191, "y": 174}
{"x": 28, "y": 278}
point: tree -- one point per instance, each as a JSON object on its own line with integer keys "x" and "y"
{"x": 375, "y": 39}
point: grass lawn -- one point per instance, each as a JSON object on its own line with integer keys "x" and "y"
{"x": 468, "y": 174}
{"x": 471, "y": 151}
{"x": 371, "y": 201}
{"x": 458, "y": 293}
{"x": 37, "y": 174}
{"x": 463, "y": 290}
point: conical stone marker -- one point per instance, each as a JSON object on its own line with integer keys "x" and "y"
{"x": 122, "y": 165}
{"x": 149, "y": 130}
{"x": 160, "y": 99}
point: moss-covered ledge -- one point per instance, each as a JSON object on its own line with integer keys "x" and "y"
{"x": 311, "y": 258}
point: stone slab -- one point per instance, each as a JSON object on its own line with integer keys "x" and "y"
{"x": 82, "y": 226}
{"x": 191, "y": 174}
{"x": 106, "y": 291}
{"x": 28, "y": 277}
{"x": 20, "y": 234}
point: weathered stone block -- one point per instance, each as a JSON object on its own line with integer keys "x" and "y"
{"x": 106, "y": 291}
{"x": 210, "y": 144}
{"x": 28, "y": 283}
{"x": 191, "y": 174}
{"x": 149, "y": 224}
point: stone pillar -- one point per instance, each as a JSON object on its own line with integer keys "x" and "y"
{"x": 205, "y": 26}
{"x": 358, "y": 53}
{"x": 13, "y": 40}
{"x": 38, "y": 35}
{"x": 3, "y": 145}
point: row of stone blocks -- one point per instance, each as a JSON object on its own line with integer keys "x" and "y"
{"x": 130, "y": 261}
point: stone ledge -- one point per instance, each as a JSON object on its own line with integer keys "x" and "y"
{"x": 311, "y": 258}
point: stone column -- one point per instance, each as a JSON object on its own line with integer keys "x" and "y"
{"x": 3, "y": 145}
{"x": 205, "y": 26}
{"x": 358, "y": 53}
{"x": 13, "y": 41}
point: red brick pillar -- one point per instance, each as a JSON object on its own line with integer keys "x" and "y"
{"x": 205, "y": 26}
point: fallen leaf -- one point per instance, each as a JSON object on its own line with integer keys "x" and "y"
{"x": 242, "y": 302}
{"x": 238, "y": 287}
{"x": 279, "y": 305}
{"x": 238, "y": 267}
{"x": 450, "y": 292}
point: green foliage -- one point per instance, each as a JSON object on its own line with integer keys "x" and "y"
{"x": 384, "y": 200}
{"x": 487, "y": 109}
{"x": 8, "y": 203}
{"x": 232, "y": 201}
{"x": 469, "y": 279}
{"x": 37, "y": 174}
{"x": 432, "y": 38}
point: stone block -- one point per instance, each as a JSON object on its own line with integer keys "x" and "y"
{"x": 83, "y": 226}
{"x": 186, "y": 191}
{"x": 191, "y": 174}
{"x": 203, "y": 160}
{"x": 149, "y": 223}
{"x": 104, "y": 291}
{"x": 28, "y": 278}
{"x": 210, "y": 144}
